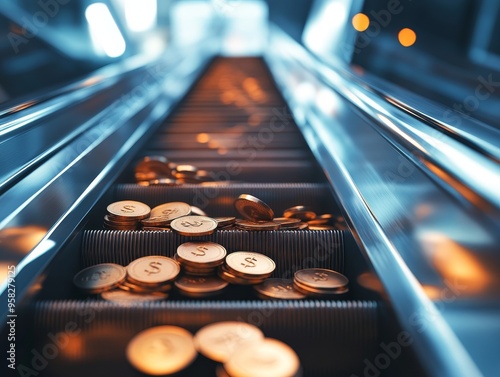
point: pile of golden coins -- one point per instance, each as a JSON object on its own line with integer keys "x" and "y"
{"x": 241, "y": 350}
{"x": 158, "y": 170}
{"x": 204, "y": 269}
{"x": 188, "y": 220}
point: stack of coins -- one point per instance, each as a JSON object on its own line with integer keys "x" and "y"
{"x": 149, "y": 274}
{"x": 282, "y": 289}
{"x": 161, "y": 350}
{"x": 320, "y": 282}
{"x": 186, "y": 174}
{"x": 246, "y": 268}
{"x": 152, "y": 168}
{"x": 158, "y": 170}
{"x": 200, "y": 258}
{"x": 125, "y": 215}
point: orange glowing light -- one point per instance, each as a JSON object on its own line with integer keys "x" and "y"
{"x": 360, "y": 22}
{"x": 202, "y": 138}
{"x": 457, "y": 265}
{"x": 407, "y": 37}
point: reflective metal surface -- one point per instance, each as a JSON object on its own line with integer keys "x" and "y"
{"x": 72, "y": 169}
{"x": 431, "y": 238}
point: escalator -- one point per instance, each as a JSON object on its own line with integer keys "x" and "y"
{"x": 235, "y": 126}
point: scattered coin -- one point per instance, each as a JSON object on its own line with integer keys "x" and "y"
{"x": 197, "y": 211}
{"x": 200, "y": 286}
{"x": 287, "y": 222}
{"x": 194, "y": 225}
{"x": 266, "y": 358}
{"x": 300, "y": 212}
{"x": 320, "y": 281}
{"x": 170, "y": 211}
{"x": 321, "y": 220}
{"x": 278, "y": 288}
{"x": 230, "y": 277}
{"x": 152, "y": 168}
{"x": 130, "y": 286}
{"x": 100, "y": 277}
{"x": 218, "y": 341}
{"x": 152, "y": 270}
{"x": 225, "y": 221}
{"x": 161, "y": 350}
{"x": 123, "y": 297}
{"x": 261, "y": 225}
{"x": 253, "y": 209}
{"x": 320, "y": 227}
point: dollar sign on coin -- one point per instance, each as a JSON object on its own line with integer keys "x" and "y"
{"x": 201, "y": 251}
{"x": 320, "y": 276}
{"x": 250, "y": 261}
{"x": 187, "y": 224}
{"x": 128, "y": 209}
{"x": 154, "y": 266}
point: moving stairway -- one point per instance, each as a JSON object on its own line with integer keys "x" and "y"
{"x": 416, "y": 231}
{"x": 232, "y": 104}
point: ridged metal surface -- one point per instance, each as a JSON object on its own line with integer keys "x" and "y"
{"x": 291, "y": 250}
{"x": 218, "y": 200}
{"x": 330, "y": 337}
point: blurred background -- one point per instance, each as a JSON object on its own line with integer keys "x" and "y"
{"x": 445, "y": 50}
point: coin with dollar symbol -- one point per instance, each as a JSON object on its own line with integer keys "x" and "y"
{"x": 194, "y": 225}
{"x": 153, "y": 270}
{"x": 250, "y": 264}
{"x": 128, "y": 210}
{"x": 201, "y": 254}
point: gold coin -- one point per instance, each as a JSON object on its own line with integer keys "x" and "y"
{"x": 170, "y": 211}
{"x": 161, "y": 350}
{"x": 320, "y": 278}
{"x": 321, "y": 227}
{"x": 230, "y": 277}
{"x": 100, "y": 278}
{"x": 218, "y": 341}
{"x": 303, "y": 226}
{"x": 137, "y": 288}
{"x": 125, "y": 297}
{"x": 153, "y": 270}
{"x": 259, "y": 226}
{"x": 225, "y": 221}
{"x": 267, "y": 358}
{"x": 287, "y": 222}
{"x": 200, "y": 284}
{"x": 119, "y": 222}
{"x": 250, "y": 263}
{"x": 128, "y": 210}
{"x": 152, "y": 167}
{"x": 321, "y": 220}
{"x": 197, "y": 271}
{"x": 278, "y": 288}
{"x": 300, "y": 212}
{"x": 207, "y": 254}
{"x": 197, "y": 211}
{"x": 317, "y": 292}
{"x": 253, "y": 209}
{"x": 194, "y": 225}
{"x": 157, "y": 221}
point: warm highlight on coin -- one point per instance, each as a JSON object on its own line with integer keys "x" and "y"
{"x": 152, "y": 270}
{"x": 218, "y": 341}
{"x": 253, "y": 209}
{"x": 100, "y": 278}
{"x": 161, "y": 350}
